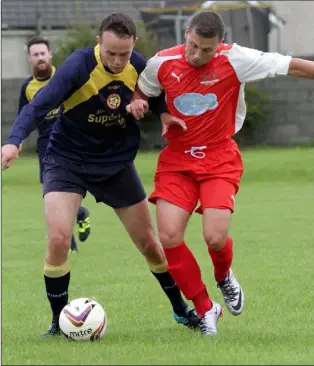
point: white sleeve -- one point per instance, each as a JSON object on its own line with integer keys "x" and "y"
{"x": 148, "y": 79}
{"x": 252, "y": 65}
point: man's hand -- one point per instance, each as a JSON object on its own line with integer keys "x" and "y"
{"x": 137, "y": 108}
{"x": 168, "y": 119}
{"x": 8, "y": 154}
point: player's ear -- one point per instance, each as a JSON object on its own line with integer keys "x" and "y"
{"x": 98, "y": 39}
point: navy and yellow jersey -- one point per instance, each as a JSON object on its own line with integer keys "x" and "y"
{"x": 93, "y": 127}
{"x": 29, "y": 89}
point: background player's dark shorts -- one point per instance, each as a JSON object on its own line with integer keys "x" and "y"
{"x": 41, "y": 151}
{"x": 115, "y": 185}
{"x": 41, "y": 155}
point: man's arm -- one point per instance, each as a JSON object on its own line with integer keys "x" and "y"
{"x": 49, "y": 97}
{"x": 252, "y": 65}
{"x": 145, "y": 92}
{"x": 149, "y": 89}
{"x": 23, "y": 101}
{"x": 158, "y": 104}
{"x": 148, "y": 84}
{"x": 301, "y": 68}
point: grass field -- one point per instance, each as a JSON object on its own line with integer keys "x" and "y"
{"x": 273, "y": 231}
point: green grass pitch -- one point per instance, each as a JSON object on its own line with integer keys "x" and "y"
{"x": 273, "y": 232}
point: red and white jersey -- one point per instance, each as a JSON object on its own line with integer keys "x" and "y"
{"x": 210, "y": 99}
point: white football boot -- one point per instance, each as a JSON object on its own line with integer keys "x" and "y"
{"x": 208, "y": 324}
{"x": 232, "y": 293}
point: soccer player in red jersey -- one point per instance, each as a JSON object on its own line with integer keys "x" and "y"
{"x": 204, "y": 82}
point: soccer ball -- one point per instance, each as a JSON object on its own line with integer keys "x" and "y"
{"x": 83, "y": 319}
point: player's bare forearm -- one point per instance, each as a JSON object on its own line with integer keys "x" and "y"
{"x": 301, "y": 68}
{"x": 138, "y": 94}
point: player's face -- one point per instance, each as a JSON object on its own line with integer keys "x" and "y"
{"x": 199, "y": 50}
{"x": 115, "y": 51}
{"x": 40, "y": 58}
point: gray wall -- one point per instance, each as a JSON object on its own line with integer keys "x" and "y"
{"x": 291, "y": 121}
{"x": 9, "y": 104}
{"x": 297, "y": 36}
{"x": 292, "y": 105}
{"x": 237, "y": 21}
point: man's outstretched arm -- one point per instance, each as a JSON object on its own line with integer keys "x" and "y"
{"x": 49, "y": 97}
{"x": 301, "y": 68}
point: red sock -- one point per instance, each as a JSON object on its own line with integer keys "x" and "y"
{"x": 202, "y": 302}
{"x": 186, "y": 272}
{"x": 222, "y": 260}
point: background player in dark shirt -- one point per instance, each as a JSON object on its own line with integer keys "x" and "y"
{"x": 92, "y": 148}
{"x": 40, "y": 58}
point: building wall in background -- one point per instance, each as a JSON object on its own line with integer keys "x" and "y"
{"x": 297, "y": 36}
{"x": 14, "y": 51}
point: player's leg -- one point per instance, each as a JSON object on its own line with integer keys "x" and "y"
{"x": 124, "y": 192}
{"x": 60, "y": 212}
{"x": 138, "y": 223}
{"x": 220, "y": 249}
{"x": 172, "y": 221}
{"x": 176, "y": 196}
{"x": 63, "y": 194}
{"x": 41, "y": 149}
{"x": 217, "y": 194}
{"x": 217, "y": 199}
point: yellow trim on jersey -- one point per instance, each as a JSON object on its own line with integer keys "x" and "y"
{"x": 34, "y": 85}
{"x": 98, "y": 79}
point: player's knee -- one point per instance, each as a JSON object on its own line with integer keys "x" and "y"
{"x": 154, "y": 252}
{"x": 59, "y": 242}
{"x": 149, "y": 244}
{"x": 170, "y": 238}
{"x": 215, "y": 240}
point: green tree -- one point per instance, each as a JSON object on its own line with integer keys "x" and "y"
{"x": 77, "y": 36}
{"x": 258, "y": 110}
{"x": 84, "y": 35}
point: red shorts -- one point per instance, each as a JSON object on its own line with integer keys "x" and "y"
{"x": 209, "y": 175}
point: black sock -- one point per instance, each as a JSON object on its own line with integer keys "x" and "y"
{"x": 57, "y": 293}
{"x": 172, "y": 291}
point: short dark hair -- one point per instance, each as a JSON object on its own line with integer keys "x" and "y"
{"x": 37, "y": 40}
{"x": 119, "y": 23}
{"x": 208, "y": 24}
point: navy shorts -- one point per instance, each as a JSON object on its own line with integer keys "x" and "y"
{"x": 115, "y": 185}
{"x": 42, "y": 144}
{"x": 41, "y": 155}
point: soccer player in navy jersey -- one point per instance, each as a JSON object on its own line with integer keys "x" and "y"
{"x": 92, "y": 148}
{"x": 40, "y": 58}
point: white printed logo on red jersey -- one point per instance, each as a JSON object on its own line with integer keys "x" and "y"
{"x": 176, "y": 76}
{"x": 195, "y": 104}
